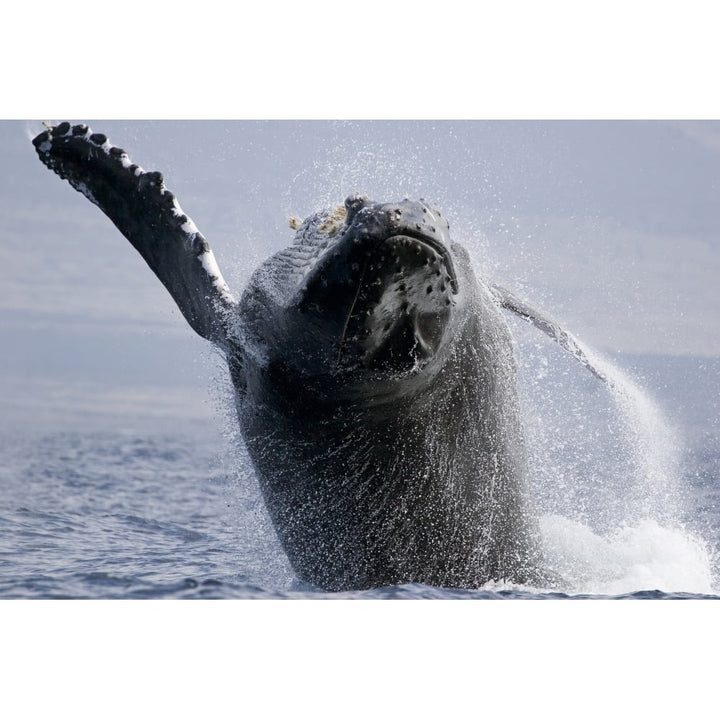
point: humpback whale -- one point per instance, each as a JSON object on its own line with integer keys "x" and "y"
{"x": 374, "y": 378}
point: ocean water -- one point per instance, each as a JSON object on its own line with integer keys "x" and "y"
{"x": 625, "y": 488}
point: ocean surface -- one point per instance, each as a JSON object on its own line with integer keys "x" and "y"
{"x": 127, "y": 506}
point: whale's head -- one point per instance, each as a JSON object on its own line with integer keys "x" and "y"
{"x": 367, "y": 288}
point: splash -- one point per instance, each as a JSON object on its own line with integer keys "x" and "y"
{"x": 654, "y": 444}
{"x": 606, "y": 471}
{"x": 642, "y": 556}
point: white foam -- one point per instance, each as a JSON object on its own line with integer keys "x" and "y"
{"x": 643, "y": 556}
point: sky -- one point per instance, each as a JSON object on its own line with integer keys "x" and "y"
{"x": 611, "y": 227}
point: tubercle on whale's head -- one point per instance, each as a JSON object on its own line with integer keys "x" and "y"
{"x": 381, "y": 294}
{"x": 418, "y": 220}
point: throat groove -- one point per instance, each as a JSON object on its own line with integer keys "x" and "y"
{"x": 349, "y": 315}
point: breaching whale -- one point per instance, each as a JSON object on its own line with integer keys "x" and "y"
{"x": 374, "y": 379}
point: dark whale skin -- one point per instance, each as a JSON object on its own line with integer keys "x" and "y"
{"x": 409, "y": 469}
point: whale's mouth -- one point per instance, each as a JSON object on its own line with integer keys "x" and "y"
{"x": 409, "y": 237}
{"x": 401, "y": 305}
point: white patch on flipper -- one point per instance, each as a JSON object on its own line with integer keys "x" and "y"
{"x": 207, "y": 260}
{"x": 125, "y": 160}
{"x": 188, "y": 227}
{"x": 127, "y": 163}
{"x": 85, "y": 190}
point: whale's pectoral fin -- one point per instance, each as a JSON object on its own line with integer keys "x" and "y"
{"x": 541, "y": 321}
{"x": 149, "y": 216}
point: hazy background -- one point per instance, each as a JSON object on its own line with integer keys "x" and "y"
{"x": 611, "y": 227}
